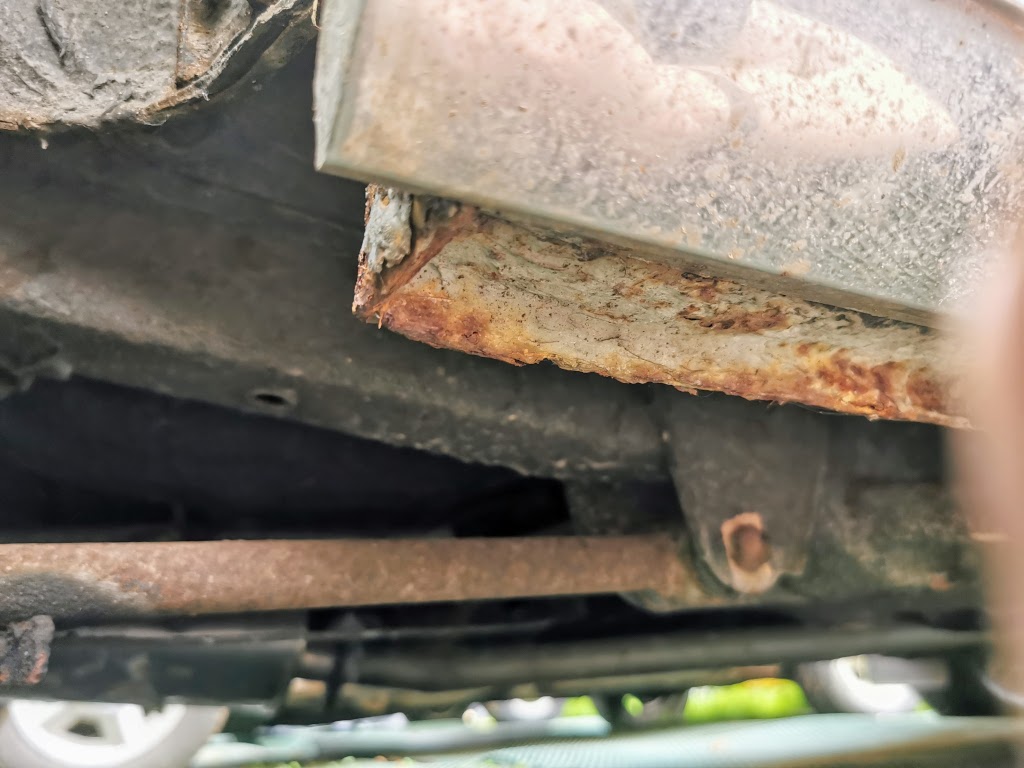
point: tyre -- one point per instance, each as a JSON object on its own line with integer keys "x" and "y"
{"x": 66, "y": 734}
{"x": 838, "y": 686}
{"x": 968, "y": 691}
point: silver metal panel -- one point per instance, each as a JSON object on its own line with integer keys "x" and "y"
{"x": 864, "y": 153}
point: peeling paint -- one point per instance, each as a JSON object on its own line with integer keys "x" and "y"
{"x": 388, "y": 235}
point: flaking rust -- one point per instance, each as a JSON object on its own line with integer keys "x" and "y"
{"x": 25, "y": 651}
{"x": 480, "y": 284}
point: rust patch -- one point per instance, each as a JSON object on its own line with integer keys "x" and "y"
{"x": 924, "y": 392}
{"x": 939, "y": 582}
{"x": 430, "y": 319}
{"x": 736, "y": 320}
{"x": 489, "y": 287}
{"x": 373, "y": 291}
{"x": 868, "y": 387}
{"x": 25, "y": 651}
{"x": 422, "y": 253}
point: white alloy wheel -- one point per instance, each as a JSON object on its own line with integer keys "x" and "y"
{"x": 839, "y": 686}
{"x": 71, "y": 734}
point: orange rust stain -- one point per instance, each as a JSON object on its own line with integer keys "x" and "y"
{"x": 874, "y": 387}
{"x": 809, "y": 372}
{"x": 742, "y": 383}
{"x": 397, "y": 276}
{"x": 630, "y": 290}
{"x": 440, "y": 322}
{"x": 737, "y": 320}
{"x": 939, "y": 582}
{"x": 806, "y": 349}
{"x": 833, "y": 381}
{"x": 705, "y": 289}
{"x": 39, "y": 665}
{"x": 632, "y": 370}
{"x": 435, "y": 321}
{"x": 925, "y": 393}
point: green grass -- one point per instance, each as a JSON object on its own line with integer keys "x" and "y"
{"x": 750, "y": 700}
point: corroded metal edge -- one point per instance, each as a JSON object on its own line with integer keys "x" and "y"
{"x": 483, "y": 285}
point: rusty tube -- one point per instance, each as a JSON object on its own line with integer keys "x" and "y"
{"x": 102, "y": 580}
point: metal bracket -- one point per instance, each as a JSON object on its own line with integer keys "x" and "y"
{"x": 749, "y": 479}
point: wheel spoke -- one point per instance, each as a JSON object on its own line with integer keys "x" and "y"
{"x": 62, "y": 717}
{"x": 118, "y": 723}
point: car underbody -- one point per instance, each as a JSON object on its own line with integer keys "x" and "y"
{"x": 222, "y": 486}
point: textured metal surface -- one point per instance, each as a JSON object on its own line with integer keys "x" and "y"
{"x": 909, "y": 535}
{"x": 483, "y": 285}
{"x": 183, "y": 263}
{"x": 866, "y": 154}
{"x": 177, "y": 260}
{"x": 886, "y": 517}
{"x": 112, "y": 579}
{"x": 25, "y": 651}
{"x": 236, "y": 659}
{"x": 86, "y": 63}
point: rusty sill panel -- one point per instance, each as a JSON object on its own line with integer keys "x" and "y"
{"x": 455, "y": 277}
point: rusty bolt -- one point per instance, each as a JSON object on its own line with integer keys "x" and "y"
{"x": 749, "y": 553}
{"x": 750, "y": 547}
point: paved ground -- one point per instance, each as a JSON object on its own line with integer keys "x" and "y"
{"x": 920, "y": 739}
{"x": 718, "y": 729}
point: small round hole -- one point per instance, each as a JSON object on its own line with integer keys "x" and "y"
{"x": 274, "y": 399}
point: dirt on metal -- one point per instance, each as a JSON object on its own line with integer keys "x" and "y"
{"x": 483, "y": 285}
{"x": 95, "y": 580}
{"x": 74, "y": 63}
